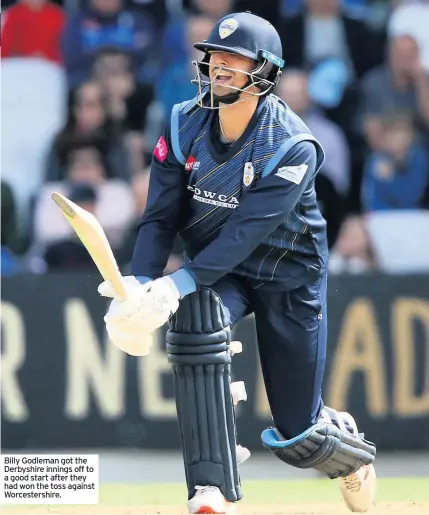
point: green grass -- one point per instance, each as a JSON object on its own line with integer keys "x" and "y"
{"x": 266, "y": 492}
{"x": 255, "y": 493}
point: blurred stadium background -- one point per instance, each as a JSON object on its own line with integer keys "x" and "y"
{"x": 87, "y": 87}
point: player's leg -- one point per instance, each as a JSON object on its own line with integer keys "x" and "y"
{"x": 199, "y": 349}
{"x": 292, "y": 332}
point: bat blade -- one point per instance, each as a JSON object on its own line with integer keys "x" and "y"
{"x": 92, "y": 235}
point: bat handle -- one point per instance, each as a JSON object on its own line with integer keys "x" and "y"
{"x": 118, "y": 285}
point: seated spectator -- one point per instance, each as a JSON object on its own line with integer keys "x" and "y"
{"x": 353, "y": 251}
{"x": 174, "y": 83}
{"x": 88, "y": 120}
{"x": 32, "y": 28}
{"x": 412, "y": 19}
{"x": 127, "y": 101}
{"x": 332, "y": 183}
{"x": 113, "y": 209}
{"x": 400, "y": 84}
{"x": 70, "y": 253}
{"x": 323, "y": 30}
{"x": 396, "y": 178}
{"x": 105, "y": 23}
{"x": 175, "y": 42}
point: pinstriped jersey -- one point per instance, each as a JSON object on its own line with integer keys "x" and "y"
{"x": 233, "y": 208}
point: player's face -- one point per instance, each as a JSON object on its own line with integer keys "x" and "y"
{"x": 224, "y": 78}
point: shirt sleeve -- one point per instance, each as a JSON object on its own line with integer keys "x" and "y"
{"x": 162, "y": 216}
{"x": 264, "y": 207}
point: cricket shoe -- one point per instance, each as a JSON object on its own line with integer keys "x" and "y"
{"x": 209, "y": 499}
{"x": 358, "y": 489}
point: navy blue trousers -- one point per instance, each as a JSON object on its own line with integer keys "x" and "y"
{"x": 291, "y": 331}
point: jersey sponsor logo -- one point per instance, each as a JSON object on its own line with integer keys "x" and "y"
{"x": 192, "y": 164}
{"x": 227, "y": 27}
{"x": 294, "y": 174}
{"x": 248, "y": 174}
{"x": 213, "y": 198}
{"x": 161, "y": 150}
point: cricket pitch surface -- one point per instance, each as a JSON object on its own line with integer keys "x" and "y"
{"x": 397, "y": 508}
{"x": 396, "y": 496}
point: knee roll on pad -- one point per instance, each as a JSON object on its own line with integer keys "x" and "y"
{"x": 333, "y": 448}
{"x": 198, "y": 347}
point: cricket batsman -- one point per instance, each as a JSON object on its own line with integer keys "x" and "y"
{"x": 233, "y": 176}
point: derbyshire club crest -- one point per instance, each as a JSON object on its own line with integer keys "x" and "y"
{"x": 227, "y": 27}
{"x": 248, "y": 175}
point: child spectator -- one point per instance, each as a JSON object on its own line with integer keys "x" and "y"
{"x": 397, "y": 176}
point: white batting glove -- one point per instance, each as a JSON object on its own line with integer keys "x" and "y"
{"x": 146, "y": 308}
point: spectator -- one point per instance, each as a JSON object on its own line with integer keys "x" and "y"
{"x": 323, "y": 30}
{"x": 70, "y": 253}
{"x": 127, "y": 102}
{"x": 105, "y": 23}
{"x": 88, "y": 120}
{"x": 114, "y": 198}
{"x": 32, "y": 28}
{"x": 332, "y": 183}
{"x": 396, "y": 178}
{"x": 412, "y": 19}
{"x": 174, "y": 83}
{"x": 353, "y": 251}
{"x": 400, "y": 84}
{"x": 175, "y": 44}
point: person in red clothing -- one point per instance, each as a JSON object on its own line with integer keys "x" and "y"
{"x": 32, "y": 28}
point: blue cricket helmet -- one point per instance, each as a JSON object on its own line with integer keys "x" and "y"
{"x": 250, "y": 36}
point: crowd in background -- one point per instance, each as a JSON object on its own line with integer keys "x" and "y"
{"x": 88, "y": 86}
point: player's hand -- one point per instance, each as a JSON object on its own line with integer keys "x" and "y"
{"x": 146, "y": 308}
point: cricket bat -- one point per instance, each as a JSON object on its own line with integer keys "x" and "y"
{"x": 92, "y": 235}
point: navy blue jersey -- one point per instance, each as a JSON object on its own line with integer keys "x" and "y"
{"x": 249, "y": 208}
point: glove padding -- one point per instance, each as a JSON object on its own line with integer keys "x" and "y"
{"x": 147, "y": 307}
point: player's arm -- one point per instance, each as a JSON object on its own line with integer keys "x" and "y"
{"x": 265, "y": 206}
{"x": 164, "y": 208}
